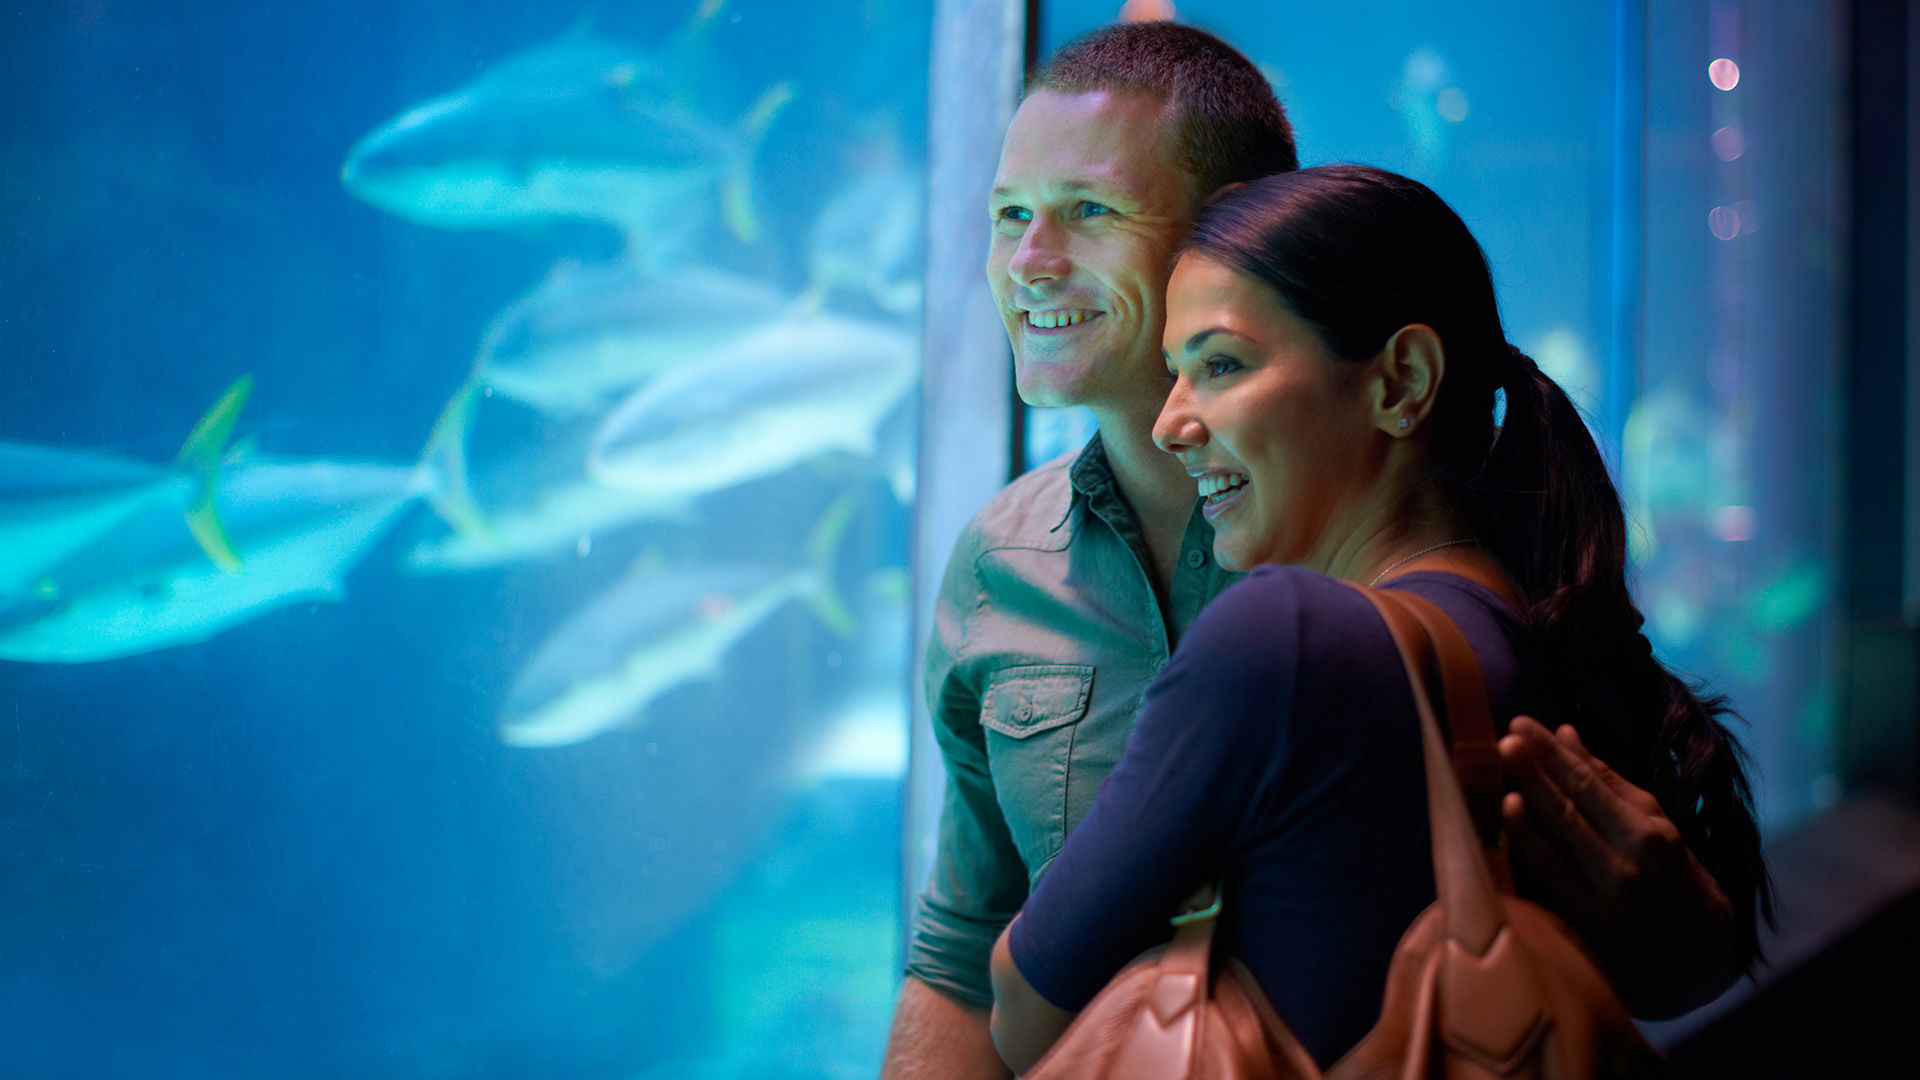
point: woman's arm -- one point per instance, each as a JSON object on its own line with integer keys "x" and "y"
{"x": 1024, "y": 1024}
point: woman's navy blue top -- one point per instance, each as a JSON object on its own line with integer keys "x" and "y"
{"x": 1279, "y": 751}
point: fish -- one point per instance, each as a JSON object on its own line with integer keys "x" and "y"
{"x": 590, "y": 332}
{"x": 658, "y": 628}
{"x": 55, "y": 501}
{"x": 563, "y": 518}
{"x": 580, "y": 127}
{"x": 298, "y": 527}
{"x": 803, "y": 387}
{"x": 871, "y": 239}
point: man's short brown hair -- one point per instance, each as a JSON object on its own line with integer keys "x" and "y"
{"x": 1230, "y": 125}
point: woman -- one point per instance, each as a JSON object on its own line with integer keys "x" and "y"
{"x": 1336, "y": 356}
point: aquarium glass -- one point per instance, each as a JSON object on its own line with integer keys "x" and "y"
{"x": 456, "y": 468}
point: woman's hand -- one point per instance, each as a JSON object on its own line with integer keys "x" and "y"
{"x": 1612, "y": 864}
{"x": 1024, "y": 1024}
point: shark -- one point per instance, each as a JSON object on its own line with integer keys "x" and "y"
{"x": 563, "y": 518}
{"x": 803, "y": 387}
{"x": 55, "y": 501}
{"x": 297, "y": 528}
{"x": 592, "y": 331}
{"x": 870, "y": 239}
{"x": 579, "y": 127}
{"x": 660, "y": 627}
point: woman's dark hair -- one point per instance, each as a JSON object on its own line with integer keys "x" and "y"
{"x": 1359, "y": 253}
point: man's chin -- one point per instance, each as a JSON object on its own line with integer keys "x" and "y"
{"x": 1050, "y": 385}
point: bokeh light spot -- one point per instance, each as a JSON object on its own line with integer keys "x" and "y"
{"x": 1724, "y": 222}
{"x": 1729, "y": 144}
{"x": 1735, "y": 523}
{"x": 1724, "y": 73}
{"x": 1452, "y": 105}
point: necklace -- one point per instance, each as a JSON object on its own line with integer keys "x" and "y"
{"x": 1415, "y": 555}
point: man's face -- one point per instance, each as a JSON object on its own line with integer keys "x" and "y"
{"x": 1087, "y": 209}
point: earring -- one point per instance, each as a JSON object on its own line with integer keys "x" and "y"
{"x": 1403, "y": 423}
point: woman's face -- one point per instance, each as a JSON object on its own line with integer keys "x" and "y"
{"x": 1277, "y": 431}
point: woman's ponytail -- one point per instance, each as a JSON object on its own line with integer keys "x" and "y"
{"x": 1544, "y": 504}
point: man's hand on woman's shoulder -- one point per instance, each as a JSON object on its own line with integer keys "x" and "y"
{"x": 1611, "y": 863}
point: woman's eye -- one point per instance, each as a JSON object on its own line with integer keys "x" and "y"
{"x": 1222, "y": 365}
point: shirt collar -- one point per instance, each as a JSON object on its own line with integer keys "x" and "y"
{"x": 1090, "y": 473}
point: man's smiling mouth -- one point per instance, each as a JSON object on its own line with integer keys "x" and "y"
{"x": 1057, "y": 320}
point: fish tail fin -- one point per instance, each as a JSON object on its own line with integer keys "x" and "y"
{"x": 446, "y": 454}
{"x": 205, "y": 452}
{"x": 737, "y": 191}
{"x": 823, "y": 545}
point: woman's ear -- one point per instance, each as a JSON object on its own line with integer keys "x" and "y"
{"x": 1411, "y": 365}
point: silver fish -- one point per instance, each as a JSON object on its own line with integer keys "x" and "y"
{"x": 591, "y": 331}
{"x": 871, "y": 239}
{"x": 659, "y": 628}
{"x": 565, "y": 518}
{"x": 298, "y": 526}
{"x": 791, "y": 392}
{"x": 575, "y": 128}
{"x": 55, "y": 501}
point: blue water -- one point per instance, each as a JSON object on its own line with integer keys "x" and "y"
{"x": 299, "y": 848}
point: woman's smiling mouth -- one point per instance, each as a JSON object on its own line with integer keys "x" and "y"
{"x": 1220, "y": 490}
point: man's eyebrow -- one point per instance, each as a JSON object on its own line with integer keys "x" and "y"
{"x": 1065, "y": 187}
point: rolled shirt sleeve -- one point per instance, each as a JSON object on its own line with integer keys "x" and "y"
{"x": 978, "y": 880}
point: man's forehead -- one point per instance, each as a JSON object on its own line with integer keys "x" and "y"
{"x": 1088, "y": 142}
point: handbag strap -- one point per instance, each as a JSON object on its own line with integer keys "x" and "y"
{"x": 1430, "y": 646}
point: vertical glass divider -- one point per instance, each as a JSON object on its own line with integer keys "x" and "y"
{"x": 978, "y": 52}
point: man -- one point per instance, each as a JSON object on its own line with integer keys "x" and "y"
{"x": 1069, "y": 591}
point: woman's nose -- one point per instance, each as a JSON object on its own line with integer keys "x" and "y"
{"x": 1177, "y": 429}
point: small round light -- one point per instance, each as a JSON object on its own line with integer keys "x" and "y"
{"x": 1452, "y": 105}
{"x": 1734, "y": 524}
{"x": 1724, "y": 222}
{"x": 1724, "y": 73}
{"x": 1729, "y": 144}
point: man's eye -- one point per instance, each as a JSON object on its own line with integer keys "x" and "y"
{"x": 1093, "y": 209}
{"x": 1013, "y": 213}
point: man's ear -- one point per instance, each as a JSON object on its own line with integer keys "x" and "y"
{"x": 1409, "y": 370}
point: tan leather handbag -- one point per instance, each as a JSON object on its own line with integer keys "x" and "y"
{"x": 1482, "y": 985}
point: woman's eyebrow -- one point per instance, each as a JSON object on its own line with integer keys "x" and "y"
{"x": 1195, "y": 341}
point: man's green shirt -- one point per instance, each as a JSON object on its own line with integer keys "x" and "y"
{"x": 1046, "y": 634}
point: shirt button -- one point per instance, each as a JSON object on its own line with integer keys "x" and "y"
{"x": 1196, "y": 558}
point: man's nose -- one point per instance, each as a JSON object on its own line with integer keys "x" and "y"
{"x": 1177, "y": 429}
{"x": 1041, "y": 256}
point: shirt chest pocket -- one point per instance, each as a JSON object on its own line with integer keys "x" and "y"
{"x": 1030, "y": 714}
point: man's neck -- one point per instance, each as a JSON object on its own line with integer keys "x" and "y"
{"x": 1157, "y": 489}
